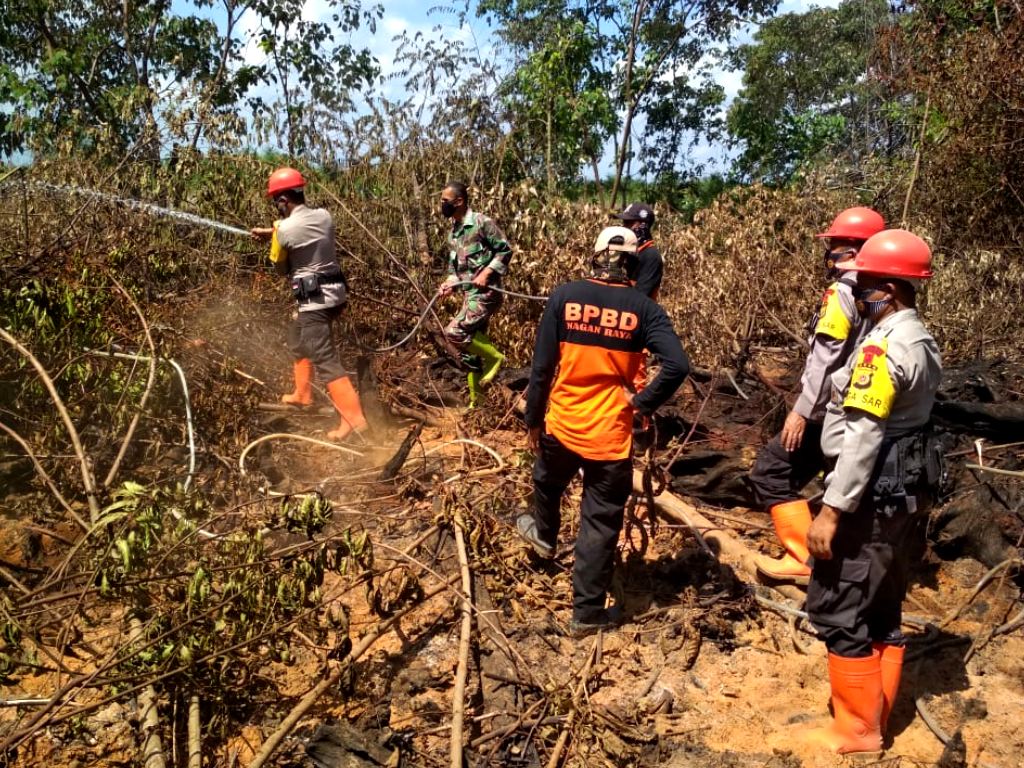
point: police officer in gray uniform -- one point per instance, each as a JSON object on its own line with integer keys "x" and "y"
{"x": 302, "y": 249}
{"x": 885, "y": 468}
{"x": 793, "y": 457}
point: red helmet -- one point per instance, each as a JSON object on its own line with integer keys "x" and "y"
{"x": 282, "y": 179}
{"x": 855, "y": 223}
{"x": 893, "y": 253}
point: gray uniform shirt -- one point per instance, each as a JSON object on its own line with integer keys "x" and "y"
{"x": 853, "y": 436}
{"x": 831, "y": 346}
{"x": 307, "y": 236}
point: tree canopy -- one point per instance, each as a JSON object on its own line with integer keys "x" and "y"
{"x": 112, "y": 74}
{"x": 806, "y": 88}
{"x": 646, "y": 89}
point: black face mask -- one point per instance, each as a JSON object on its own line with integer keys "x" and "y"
{"x": 642, "y": 232}
{"x": 835, "y": 255}
{"x": 868, "y": 309}
{"x": 447, "y": 209}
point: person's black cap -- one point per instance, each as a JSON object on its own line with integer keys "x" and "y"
{"x": 637, "y": 212}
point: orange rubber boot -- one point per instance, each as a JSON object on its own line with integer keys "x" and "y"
{"x": 303, "y": 394}
{"x": 346, "y": 400}
{"x": 891, "y": 657}
{"x": 856, "y": 706}
{"x": 792, "y": 521}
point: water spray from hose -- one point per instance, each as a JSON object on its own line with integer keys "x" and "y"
{"x": 138, "y": 205}
{"x": 199, "y": 221}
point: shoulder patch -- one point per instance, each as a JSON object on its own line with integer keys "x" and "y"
{"x": 832, "y": 320}
{"x": 871, "y": 387}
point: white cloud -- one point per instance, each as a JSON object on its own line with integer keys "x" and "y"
{"x": 802, "y": 6}
{"x": 441, "y": 28}
{"x": 316, "y": 10}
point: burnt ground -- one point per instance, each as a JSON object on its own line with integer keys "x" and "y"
{"x": 702, "y": 673}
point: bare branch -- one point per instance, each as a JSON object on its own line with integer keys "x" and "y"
{"x": 43, "y": 474}
{"x": 87, "y": 479}
{"x": 145, "y": 395}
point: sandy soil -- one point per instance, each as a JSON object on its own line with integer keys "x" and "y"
{"x": 699, "y": 675}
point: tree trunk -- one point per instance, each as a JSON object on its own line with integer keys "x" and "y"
{"x": 598, "y": 186}
{"x": 629, "y": 100}
{"x": 548, "y": 149}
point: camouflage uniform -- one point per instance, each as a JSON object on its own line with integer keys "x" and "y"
{"x": 475, "y": 243}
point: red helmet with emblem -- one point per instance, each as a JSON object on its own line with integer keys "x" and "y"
{"x": 856, "y": 224}
{"x": 893, "y": 253}
{"x": 283, "y": 179}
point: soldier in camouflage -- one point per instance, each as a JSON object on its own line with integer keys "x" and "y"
{"x": 478, "y": 257}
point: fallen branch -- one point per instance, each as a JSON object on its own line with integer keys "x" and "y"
{"x": 195, "y": 750}
{"x": 10, "y": 577}
{"x": 152, "y": 749}
{"x": 783, "y": 327}
{"x": 458, "y": 695}
{"x": 563, "y": 737}
{"x": 737, "y": 520}
{"x": 295, "y": 410}
{"x": 477, "y": 473}
{"x": 996, "y": 470}
{"x": 521, "y": 722}
{"x": 397, "y": 461}
{"x": 274, "y": 740}
{"x": 979, "y": 588}
{"x": 732, "y": 380}
{"x": 727, "y": 544}
{"x": 415, "y": 415}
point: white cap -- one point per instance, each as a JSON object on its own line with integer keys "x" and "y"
{"x": 603, "y": 242}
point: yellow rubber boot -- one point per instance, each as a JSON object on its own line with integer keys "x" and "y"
{"x": 303, "y": 394}
{"x": 792, "y": 521}
{"x": 473, "y": 377}
{"x": 856, "y": 705}
{"x": 346, "y": 400}
{"x": 491, "y": 357}
{"x": 891, "y": 662}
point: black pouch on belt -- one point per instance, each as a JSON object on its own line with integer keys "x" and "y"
{"x": 305, "y": 287}
{"x": 310, "y": 286}
{"x": 889, "y": 481}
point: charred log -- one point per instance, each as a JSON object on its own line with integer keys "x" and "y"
{"x": 998, "y": 421}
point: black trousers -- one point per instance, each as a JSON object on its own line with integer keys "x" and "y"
{"x": 856, "y": 598}
{"x": 309, "y": 335}
{"x": 779, "y": 476}
{"x": 606, "y": 488}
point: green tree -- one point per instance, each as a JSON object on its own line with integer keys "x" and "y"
{"x": 646, "y": 53}
{"x": 313, "y": 70}
{"x": 806, "y": 89}
{"x": 560, "y": 100}
{"x": 112, "y": 74}
{"x": 92, "y": 70}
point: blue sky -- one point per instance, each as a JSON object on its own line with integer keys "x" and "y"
{"x": 441, "y": 22}
{"x": 401, "y": 15}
